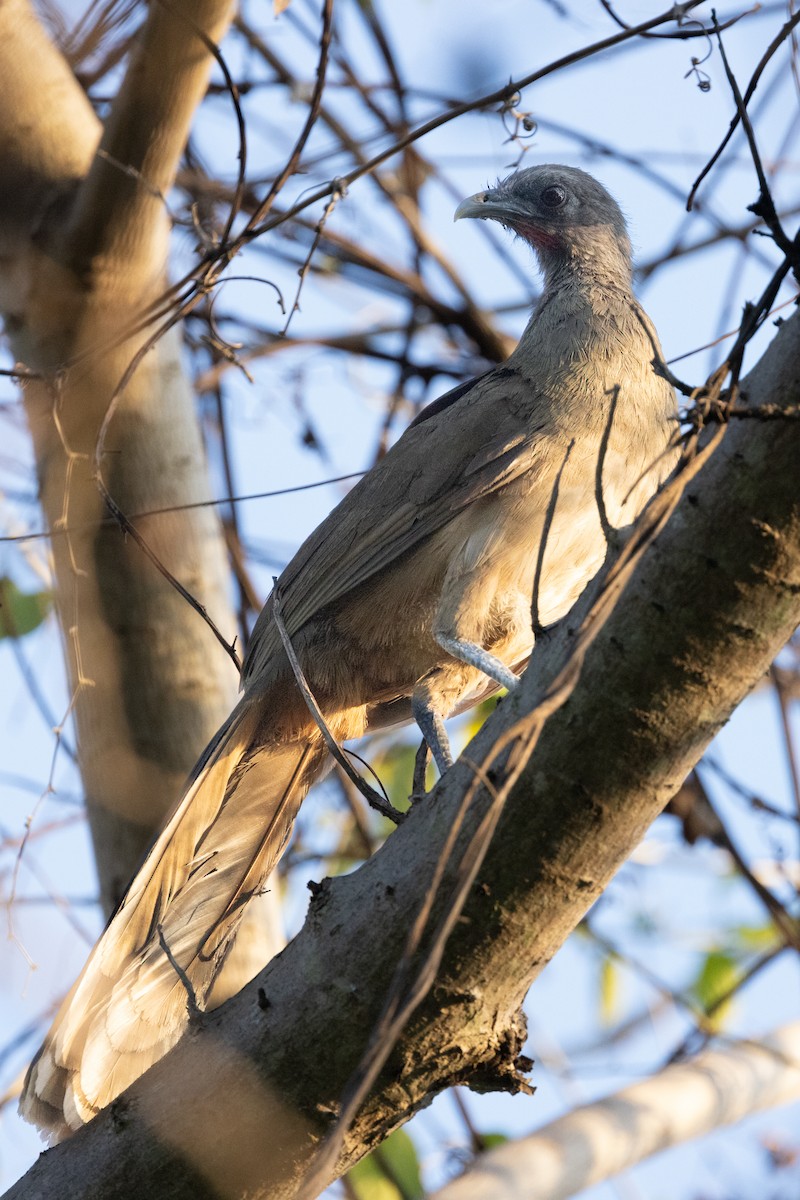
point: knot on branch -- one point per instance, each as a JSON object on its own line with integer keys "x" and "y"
{"x": 508, "y": 1069}
{"x": 709, "y": 410}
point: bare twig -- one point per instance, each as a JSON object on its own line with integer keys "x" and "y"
{"x": 303, "y": 270}
{"x": 373, "y": 798}
{"x": 687, "y": 32}
{"x": 192, "y": 1006}
{"x": 169, "y": 508}
{"x": 765, "y": 205}
{"x": 776, "y": 43}
{"x": 785, "y": 924}
{"x": 788, "y": 740}
{"x": 292, "y": 162}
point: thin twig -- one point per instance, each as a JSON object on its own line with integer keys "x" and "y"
{"x": 192, "y": 1006}
{"x": 758, "y": 803}
{"x": 303, "y": 270}
{"x": 765, "y": 206}
{"x": 788, "y": 740}
{"x": 313, "y": 112}
{"x": 683, "y": 34}
{"x": 127, "y": 526}
{"x": 787, "y": 925}
{"x": 547, "y": 524}
{"x": 170, "y": 508}
{"x": 373, "y": 798}
{"x": 768, "y": 54}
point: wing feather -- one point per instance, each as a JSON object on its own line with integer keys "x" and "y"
{"x": 402, "y": 501}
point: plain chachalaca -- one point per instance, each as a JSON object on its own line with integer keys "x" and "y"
{"x": 412, "y": 598}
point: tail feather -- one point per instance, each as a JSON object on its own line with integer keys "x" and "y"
{"x": 130, "y": 1004}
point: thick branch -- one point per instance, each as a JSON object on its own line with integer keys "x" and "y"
{"x": 241, "y": 1102}
{"x": 120, "y": 210}
{"x": 598, "y": 1141}
{"x": 147, "y": 693}
{"x": 147, "y": 688}
{"x": 48, "y": 130}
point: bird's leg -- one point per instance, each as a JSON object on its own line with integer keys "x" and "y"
{"x": 421, "y": 760}
{"x": 475, "y": 656}
{"x": 463, "y": 614}
{"x": 432, "y": 727}
{"x": 477, "y": 605}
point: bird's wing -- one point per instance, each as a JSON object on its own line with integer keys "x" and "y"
{"x": 443, "y": 463}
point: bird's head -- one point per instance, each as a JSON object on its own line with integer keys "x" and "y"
{"x": 566, "y": 215}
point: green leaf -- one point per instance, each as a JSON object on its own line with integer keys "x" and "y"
{"x": 390, "y": 1172}
{"x": 756, "y": 937}
{"x": 490, "y": 1140}
{"x": 21, "y": 612}
{"x": 609, "y": 989}
{"x": 717, "y": 976}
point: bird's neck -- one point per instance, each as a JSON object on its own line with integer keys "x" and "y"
{"x": 586, "y": 317}
{"x": 578, "y": 306}
{"x": 593, "y": 260}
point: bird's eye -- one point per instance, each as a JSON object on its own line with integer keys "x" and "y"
{"x": 554, "y": 196}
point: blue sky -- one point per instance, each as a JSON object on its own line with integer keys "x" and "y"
{"x": 670, "y": 904}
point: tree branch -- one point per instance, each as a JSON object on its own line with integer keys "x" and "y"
{"x": 48, "y": 129}
{"x": 120, "y": 211}
{"x": 240, "y": 1104}
{"x": 597, "y": 1141}
{"x": 145, "y": 693}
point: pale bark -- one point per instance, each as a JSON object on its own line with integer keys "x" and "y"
{"x": 597, "y": 1141}
{"x": 238, "y": 1107}
{"x": 84, "y": 248}
{"x": 48, "y": 132}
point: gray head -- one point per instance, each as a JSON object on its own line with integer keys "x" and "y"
{"x": 566, "y": 215}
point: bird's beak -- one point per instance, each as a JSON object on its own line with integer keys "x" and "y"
{"x": 488, "y": 206}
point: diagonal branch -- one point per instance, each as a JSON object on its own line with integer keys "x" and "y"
{"x": 49, "y": 131}
{"x": 711, "y": 602}
{"x": 682, "y": 1102}
{"x": 120, "y": 212}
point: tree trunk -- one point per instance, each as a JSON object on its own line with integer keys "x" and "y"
{"x": 83, "y": 253}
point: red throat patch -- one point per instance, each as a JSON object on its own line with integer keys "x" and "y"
{"x": 542, "y": 238}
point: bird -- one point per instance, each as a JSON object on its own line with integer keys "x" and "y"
{"x": 418, "y": 595}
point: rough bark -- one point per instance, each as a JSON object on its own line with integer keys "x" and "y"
{"x": 83, "y": 251}
{"x": 238, "y": 1107}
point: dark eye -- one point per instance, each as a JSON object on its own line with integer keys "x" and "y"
{"x": 554, "y": 196}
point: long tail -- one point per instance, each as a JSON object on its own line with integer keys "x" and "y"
{"x": 168, "y": 939}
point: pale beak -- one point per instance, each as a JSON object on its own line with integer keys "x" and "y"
{"x": 489, "y": 206}
{"x": 473, "y": 206}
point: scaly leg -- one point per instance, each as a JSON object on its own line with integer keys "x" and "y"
{"x": 475, "y": 656}
{"x": 468, "y": 605}
{"x": 432, "y": 728}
